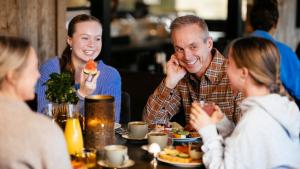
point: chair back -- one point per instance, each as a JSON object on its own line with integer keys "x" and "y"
{"x": 125, "y": 108}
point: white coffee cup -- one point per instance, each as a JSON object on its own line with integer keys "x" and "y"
{"x": 158, "y": 137}
{"x": 116, "y": 155}
{"x": 137, "y": 129}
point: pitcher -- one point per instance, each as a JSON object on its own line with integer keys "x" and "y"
{"x": 73, "y": 133}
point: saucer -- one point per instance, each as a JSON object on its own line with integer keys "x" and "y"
{"x": 128, "y": 138}
{"x": 117, "y": 125}
{"x": 129, "y": 163}
{"x": 144, "y": 147}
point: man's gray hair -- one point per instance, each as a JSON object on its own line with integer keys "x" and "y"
{"x": 188, "y": 20}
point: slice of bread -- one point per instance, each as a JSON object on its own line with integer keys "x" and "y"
{"x": 90, "y": 67}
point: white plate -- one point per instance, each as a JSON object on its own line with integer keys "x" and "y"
{"x": 129, "y": 163}
{"x": 179, "y": 164}
{"x": 185, "y": 139}
{"x": 117, "y": 125}
{"x": 128, "y": 138}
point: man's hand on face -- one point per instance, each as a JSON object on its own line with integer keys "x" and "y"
{"x": 174, "y": 72}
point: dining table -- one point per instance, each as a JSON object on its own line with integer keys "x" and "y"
{"x": 142, "y": 158}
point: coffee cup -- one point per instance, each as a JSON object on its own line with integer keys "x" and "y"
{"x": 137, "y": 129}
{"x": 158, "y": 137}
{"x": 116, "y": 155}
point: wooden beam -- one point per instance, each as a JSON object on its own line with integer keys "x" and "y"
{"x": 101, "y": 10}
{"x": 61, "y": 33}
{"x": 40, "y": 21}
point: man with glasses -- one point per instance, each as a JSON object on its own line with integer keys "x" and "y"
{"x": 195, "y": 72}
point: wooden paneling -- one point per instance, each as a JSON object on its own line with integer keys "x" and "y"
{"x": 40, "y": 21}
{"x": 286, "y": 28}
{"x": 61, "y": 25}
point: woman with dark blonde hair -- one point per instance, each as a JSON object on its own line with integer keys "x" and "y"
{"x": 28, "y": 140}
{"x": 267, "y": 136}
{"x": 84, "y": 43}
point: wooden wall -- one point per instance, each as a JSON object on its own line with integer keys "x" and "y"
{"x": 286, "y": 28}
{"x": 40, "y": 21}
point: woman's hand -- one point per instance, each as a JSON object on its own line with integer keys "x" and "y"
{"x": 218, "y": 115}
{"x": 200, "y": 119}
{"x": 88, "y": 83}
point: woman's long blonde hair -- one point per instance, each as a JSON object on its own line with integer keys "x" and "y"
{"x": 261, "y": 57}
{"x": 14, "y": 53}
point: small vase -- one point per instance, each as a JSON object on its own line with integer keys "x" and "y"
{"x": 58, "y": 111}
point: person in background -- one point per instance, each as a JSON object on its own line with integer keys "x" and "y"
{"x": 263, "y": 19}
{"x": 298, "y": 50}
{"x": 253, "y": 68}
{"x": 24, "y": 142}
{"x": 83, "y": 43}
{"x": 195, "y": 72}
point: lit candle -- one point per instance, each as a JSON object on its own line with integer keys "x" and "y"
{"x": 155, "y": 149}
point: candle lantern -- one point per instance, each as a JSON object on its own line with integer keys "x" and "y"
{"x": 100, "y": 117}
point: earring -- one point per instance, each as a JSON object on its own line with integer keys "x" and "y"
{"x": 70, "y": 48}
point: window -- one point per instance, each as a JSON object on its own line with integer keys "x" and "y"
{"x": 207, "y": 9}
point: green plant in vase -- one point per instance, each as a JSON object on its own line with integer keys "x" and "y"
{"x": 61, "y": 93}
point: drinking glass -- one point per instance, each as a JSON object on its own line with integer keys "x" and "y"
{"x": 87, "y": 156}
{"x": 208, "y": 107}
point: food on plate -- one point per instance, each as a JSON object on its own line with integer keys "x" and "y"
{"x": 160, "y": 127}
{"x": 90, "y": 67}
{"x": 173, "y": 155}
{"x": 180, "y": 133}
{"x": 194, "y": 134}
{"x": 178, "y": 154}
{"x": 182, "y": 148}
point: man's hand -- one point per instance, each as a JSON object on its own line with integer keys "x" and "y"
{"x": 174, "y": 72}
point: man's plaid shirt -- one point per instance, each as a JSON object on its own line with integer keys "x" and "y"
{"x": 213, "y": 86}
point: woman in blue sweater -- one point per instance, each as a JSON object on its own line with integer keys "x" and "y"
{"x": 84, "y": 42}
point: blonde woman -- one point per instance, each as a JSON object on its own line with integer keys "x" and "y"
{"x": 28, "y": 140}
{"x": 267, "y": 136}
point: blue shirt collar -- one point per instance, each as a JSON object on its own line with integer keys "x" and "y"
{"x": 263, "y": 34}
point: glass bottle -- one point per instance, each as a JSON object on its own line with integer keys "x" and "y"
{"x": 73, "y": 133}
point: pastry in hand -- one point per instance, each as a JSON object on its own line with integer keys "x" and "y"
{"x": 90, "y": 67}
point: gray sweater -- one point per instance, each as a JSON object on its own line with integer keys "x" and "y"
{"x": 267, "y": 136}
{"x": 29, "y": 140}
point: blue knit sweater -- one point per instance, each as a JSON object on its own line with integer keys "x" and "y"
{"x": 108, "y": 83}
